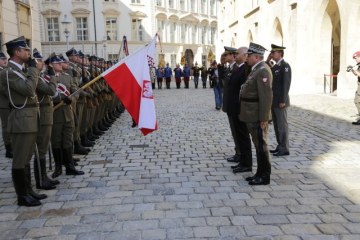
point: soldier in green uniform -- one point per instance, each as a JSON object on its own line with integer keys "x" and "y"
{"x": 4, "y": 112}
{"x": 63, "y": 127}
{"x": 45, "y": 89}
{"x": 23, "y": 121}
{"x": 255, "y": 110}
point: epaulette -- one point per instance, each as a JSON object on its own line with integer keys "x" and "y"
{"x": 66, "y": 74}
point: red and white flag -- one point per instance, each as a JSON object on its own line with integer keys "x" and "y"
{"x": 130, "y": 80}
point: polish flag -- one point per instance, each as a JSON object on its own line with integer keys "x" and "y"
{"x": 130, "y": 80}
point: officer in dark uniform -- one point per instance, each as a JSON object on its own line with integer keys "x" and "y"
{"x": 255, "y": 110}
{"x": 196, "y": 74}
{"x": 23, "y": 121}
{"x": 236, "y": 76}
{"x": 4, "y": 112}
{"x": 281, "y": 84}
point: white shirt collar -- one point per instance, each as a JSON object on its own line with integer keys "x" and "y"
{"x": 232, "y": 65}
{"x": 17, "y": 64}
{"x": 278, "y": 63}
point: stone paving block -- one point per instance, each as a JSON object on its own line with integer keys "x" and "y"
{"x": 222, "y": 211}
{"x": 218, "y": 221}
{"x": 154, "y": 234}
{"x": 189, "y": 205}
{"x": 242, "y": 220}
{"x": 332, "y": 218}
{"x": 299, "y": 229}
{"x": 332, "y": 229}
{"x": 61, "y": 221}
{"x": 128, "y": 216}
{"x": 176, "y": 213}
{"x": 271, "y": 219}
{"x": 195, "y": 222}
{"x": 141, "y": 224}
{"x": 203, "y": 212}
{"x": 232, "y": 232}
{"x": 8, "y": 216}
{"x": 154, "y": 214}
{"x": 206, "y": 232}
{"x": 42, "y": 232}
{"x": 179, "y": 233}
{"x": 304, "y": 218}
{"x": 262, "y": 230}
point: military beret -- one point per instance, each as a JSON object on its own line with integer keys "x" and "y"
{"x": 36, "y": 54}
{"x": 255, "y": 48}
{"x": 72, "y": 52}
{"x": 230, "y": 50}
{"x": 2, "y": 56}
{"x": 277, "y": 48}
{"x": 356, "y": 54}
{"x": 19, "y": 42}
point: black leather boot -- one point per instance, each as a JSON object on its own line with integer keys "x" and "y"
{"x": 40, "y": 173}
{"x": 9, "y": 152}
{"x": 79, "y": 149}
{"x": 23, "y": 198}
{"x": 57, "y": 153}
{"x": 29, "y": 187}
{"x": 69, "y": 163}
{"x": 86, "y": 142}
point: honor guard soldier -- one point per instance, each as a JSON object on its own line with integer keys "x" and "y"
{"x": 4, "y": 112}
{"x": 45, "y": 89}
{"x": 178, "y": 74}
{"x": 281, "y": 72}
{"x": 186, "y": 74}
{"x": 255, "y": 110}
{"x": 196, "y": 74}
{"x": 63, "y": 127}
{"x": 20, "y": 86}
{"x": 167, "y": 75}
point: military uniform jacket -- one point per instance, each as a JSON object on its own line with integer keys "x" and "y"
{"x": 64, "y": 113}
{"x": 281, "y": 83}
{"x": 4, "y": 102}
{"x": 236, "y": 79}
{"x": 20, "y": 90}
{"x": 45, "y": 90}
{"x": 256, "y": 95}
{"x": 225, "y": 82}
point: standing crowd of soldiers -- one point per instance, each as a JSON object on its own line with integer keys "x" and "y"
{"x": 50, "y": 104}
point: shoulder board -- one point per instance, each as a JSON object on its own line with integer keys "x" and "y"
{"x": 17, "y": 73}
{"x": 66, "y": 74}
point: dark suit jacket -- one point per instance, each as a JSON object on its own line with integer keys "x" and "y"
{"x": 237, "y": 78}
{"x": 281, "y": 83}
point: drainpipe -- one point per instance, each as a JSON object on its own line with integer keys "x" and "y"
{"x": 93, "y": 2}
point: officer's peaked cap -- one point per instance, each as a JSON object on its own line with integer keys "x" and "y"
{"x": 255, "y": 48}
{"x": 277, "y": 48}
{"x": 2, "y": 56}
{"x": 72, "y": 52}
{"x": 36, "y": 54}
{"x": 230, "y": 50}
{"x": 19, "y": 42}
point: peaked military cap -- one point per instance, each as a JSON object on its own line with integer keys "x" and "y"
{"x": 36, "y": 54}
{"x": 277, "y": 48}
{"x": 72, "y": 52}
{"x": 19, "y": 42}
{"x": 81, "y": 54}
{"x": 55, "y": 59}
{"x": 255, "y": 48}
{"x": 230, "y": 50}
{"x": 92, "y": 58}
{"x": 2, "y": 56}
{"x": 62, "y": 58}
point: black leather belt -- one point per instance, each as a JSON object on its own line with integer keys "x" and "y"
{"x": 249, "y": 99}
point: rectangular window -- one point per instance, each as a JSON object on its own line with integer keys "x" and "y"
{"x": 183, "y": 33}
{"x": 203, "y": 6}
{"x": 182, "y": 5}
{"x": 212, "y": 7}
{"x": 193, "y": 5}
{"x": 137, "y": 30}
{"x": 113, "y": 57}
{"x": 171, "y": 4}
{"x": 194, "y": 31}
{"x": 213, "y": 34}
{"x": 135, "y": 1}
{"x": 52, "y": 29}
{"x": 203, "y": 35}
{"x": 159, "y": 3}
{"x": 111, "y": 29}
{"x": 172, "y": 32}
{"x": 82, "y": 31}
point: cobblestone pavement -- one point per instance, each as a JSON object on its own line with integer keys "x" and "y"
{"x": 176, "y": 184}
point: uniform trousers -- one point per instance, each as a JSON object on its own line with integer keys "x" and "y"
{"x": 357, "y": 98}
{"x": 23, "y": 148}
{"x": 279, "y": 116}
{"x": 259, "y": 137}
{"x": 4, "y": 114}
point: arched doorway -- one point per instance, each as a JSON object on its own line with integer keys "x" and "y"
{"x": 330, "y": 44}
{"x": 189, "y": 57}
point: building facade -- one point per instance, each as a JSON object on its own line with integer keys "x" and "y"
{"x": 187, "y": 28}
{"x": 320, "y": 37}
{"x": 19, "y": 18}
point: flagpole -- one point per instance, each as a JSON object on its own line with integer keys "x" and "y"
{"x": 79, "y": 89}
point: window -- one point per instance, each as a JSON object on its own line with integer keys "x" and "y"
{"x": 111, "y": 29}
{"x": 161, "y": 30}
{"x": 82, "y": 29}
{"x": 203, "y": 7}
{"x": 213, "y": 34}
{"x": 109, "y": 0}
{"x": 182, "y": 5}
{"x": 113, "y": 57}
{"x": 203, "y": 60}
{"x": 159, "y": 3}
{"x": 194, "y": 31}
{"x": 171, "y": 4}
{"x": 137, "y": 30}
{"x": 212, "y": 7}
{"x": 52, "y": 29}
{"x": 193, "y": 5}
{"x": 203, "y": 35}
{"x": 172, "y": 32}
{"x": 135, "y": 1}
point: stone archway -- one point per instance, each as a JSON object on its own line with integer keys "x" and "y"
{"x": 330, "y": 40}
{"x": 278, "y": 33}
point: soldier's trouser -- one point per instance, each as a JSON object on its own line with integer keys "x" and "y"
{"x": 84, "y": 121}
{"x": 259, "y": 137}
{"x": 196, "y": 81}
{"x": 62, "y": 135}
{"x": 4, "y": 114}
{"x": 23, "y": 149}
{"x": 79, "y": 116}
{"x": 43, "y": 140}
{"x": 357, "y": 98}
{"x": 279, "y": 116}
